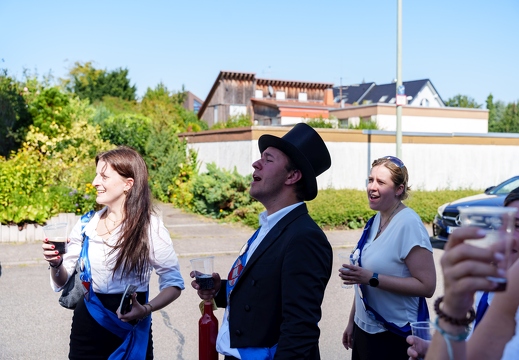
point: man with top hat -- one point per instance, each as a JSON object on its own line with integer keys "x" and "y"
{"x": 274, "y": 291}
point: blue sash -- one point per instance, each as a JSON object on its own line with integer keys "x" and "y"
{"x": 482, "y": 308}
{"x": 423, "y": 311}
{"x": 136, "y": 337}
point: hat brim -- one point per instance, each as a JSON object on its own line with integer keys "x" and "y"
{"x": 299, "y": 159}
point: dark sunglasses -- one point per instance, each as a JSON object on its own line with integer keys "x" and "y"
{"x": 394, "y": 160}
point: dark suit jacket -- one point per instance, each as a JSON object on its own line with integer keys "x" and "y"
{"x": 277, "y": 299}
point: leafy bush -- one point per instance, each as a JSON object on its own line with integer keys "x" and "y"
{"x": 180, "y": 188}
{"x": 50, "y": 111}
{"x": 426, "y": 203}
{"x": 217, "y": 193}
{"x": 51, "y": 175}
{"x": 320, "y": 123}
{"x": 348, "y": 209}
{"x": 164, "y": 154}
{"x": 14, "y": 117}
{"x": 365, "y": 125}
{"x": 127, "y": 129}
{"x": 234, "y": 122}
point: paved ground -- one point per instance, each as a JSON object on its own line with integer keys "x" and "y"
{"x": 34, "y": 326}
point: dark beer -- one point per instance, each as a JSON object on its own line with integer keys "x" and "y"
{"x": 205, "y": 281}
{"x": 60, "y": 244}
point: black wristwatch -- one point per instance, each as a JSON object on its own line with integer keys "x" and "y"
{"x": 374, "y": 280}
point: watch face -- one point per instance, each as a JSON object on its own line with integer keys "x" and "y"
{"x": 373, "y": 281}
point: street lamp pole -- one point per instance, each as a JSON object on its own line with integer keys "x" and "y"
{"x": 399, "y": 79}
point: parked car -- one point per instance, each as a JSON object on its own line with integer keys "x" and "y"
{"x": 447, "y": 219}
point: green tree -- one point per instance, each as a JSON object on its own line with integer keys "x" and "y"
{"x": 463, "y": 101}
{"x": 510, "y": 121}
{"x": 501, "y": 117}
{"x": 127, "y": 129}
{"x": 50, "y": 111}
{"x": 94, "y": 84}
{"x": 14, "y": 117}
{"x": 166, "y": 107}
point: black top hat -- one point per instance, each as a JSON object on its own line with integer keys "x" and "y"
{"x": 303, "y": 145}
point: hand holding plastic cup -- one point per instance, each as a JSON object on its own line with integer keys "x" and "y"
{"x": 57, "y": 235}
{"x": 424, "y": 331}
{"x": 203, "y": 268}
{"x": 344, "y": 258}
{"x": 498, "y": 224}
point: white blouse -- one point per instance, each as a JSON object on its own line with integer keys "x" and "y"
{"x": 162, "y": 258}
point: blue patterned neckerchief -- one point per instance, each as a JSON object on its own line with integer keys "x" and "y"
{"x": 238, "y": 266}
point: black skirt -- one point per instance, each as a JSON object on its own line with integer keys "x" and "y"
{"x": 91, "y": 341}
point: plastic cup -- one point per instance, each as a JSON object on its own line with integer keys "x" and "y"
{"x": 203, "y": 268}
{"x": 344, "y": 258}
{"x": 57, "y": 235}
{"x": 422, "y": 329}
{"x": 498, "y": 224}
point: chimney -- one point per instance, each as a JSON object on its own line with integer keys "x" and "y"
{"x": 328, "y": 97}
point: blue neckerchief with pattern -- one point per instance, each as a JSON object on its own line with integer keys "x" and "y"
{"x": 135, "y": 344}
{"x": 423, "y": 311}
{"x": 238, "y": 266}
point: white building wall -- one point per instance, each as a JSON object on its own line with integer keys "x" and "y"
{"x": 430, "y": 166}
{"x": 433, "y": 125}
{"x": 428, "y": 94}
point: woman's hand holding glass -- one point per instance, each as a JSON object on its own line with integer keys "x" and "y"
{"x": 466, "y": 269}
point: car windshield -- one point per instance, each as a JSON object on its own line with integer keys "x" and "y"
{"x": 505, "y": 187}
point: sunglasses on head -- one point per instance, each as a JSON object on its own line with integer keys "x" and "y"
{"x": 394, "y": 160}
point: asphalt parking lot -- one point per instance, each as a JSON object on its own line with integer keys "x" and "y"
{"x": 34, "y": 326}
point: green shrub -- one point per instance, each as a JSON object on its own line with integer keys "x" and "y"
{"x": 234, "y": 122}
{"x": 164, "y": 154}
{"x": 320, "y": 123}
{"x": 365, "y": 125}
{"x": 349, "y": 209}
{"x": 51, "y": 175}
{"x": 180, "y": 188}
{"x": 127, "y": 129}
{"x": 426, "y": 203}
{"x": 218, "y": 193}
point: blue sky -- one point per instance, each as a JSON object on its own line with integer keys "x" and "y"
{"x": 463, "y": 47}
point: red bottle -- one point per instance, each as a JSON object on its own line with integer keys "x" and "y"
{"x": 207, "y": 333}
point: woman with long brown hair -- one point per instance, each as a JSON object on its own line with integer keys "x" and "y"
{"x": 119, "y": 246}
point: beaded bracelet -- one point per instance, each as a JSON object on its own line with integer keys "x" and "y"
{"x": 458, "y": 322}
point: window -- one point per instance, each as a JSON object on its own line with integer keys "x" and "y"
{"x": 383, "y": 99}
{"x": 424, "y": 102}
{"x": 259, "y": 94}
{"x": 237, "y": 110}
{"x": 196, "y": 106}
{"x": 280, "y": 95}
{"x": 303, "y": 96}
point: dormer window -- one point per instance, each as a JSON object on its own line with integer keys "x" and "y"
{"x": 383, "y": 99}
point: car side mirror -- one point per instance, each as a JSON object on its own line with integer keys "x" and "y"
{"x": 488, "y": 189}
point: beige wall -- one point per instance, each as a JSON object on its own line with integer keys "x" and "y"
{"x": 446, "y": 161}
